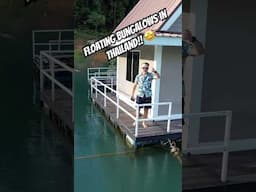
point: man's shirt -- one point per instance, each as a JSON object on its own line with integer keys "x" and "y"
{"x": 186, "y": 49}
{"x": 144, "y": 83}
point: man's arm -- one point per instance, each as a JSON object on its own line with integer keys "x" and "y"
{"x": 133, "y": 90}
{"x": 197, "y": 47}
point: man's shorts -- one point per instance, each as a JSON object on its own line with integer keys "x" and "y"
{"x": 144, "y": 100}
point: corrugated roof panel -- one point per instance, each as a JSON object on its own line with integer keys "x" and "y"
{"x": 145, "y": 8}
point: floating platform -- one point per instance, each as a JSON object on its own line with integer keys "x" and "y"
{"x": 60, "y": 110}
{"x": 153, "y": 134}
{"x": 203, "y": 171}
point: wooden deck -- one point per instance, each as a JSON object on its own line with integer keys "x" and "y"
{"x": 61, "y": 109}
{"x": 203, "y": 171}
{"x": 154, "y": 133}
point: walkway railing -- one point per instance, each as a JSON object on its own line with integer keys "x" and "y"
{"x": 95, "y": 87}
{"x": 42, "y": 38}
{"x": 54, "y": 66}
{"x": 101, "y": 72}
{"x": 224, "y": 147}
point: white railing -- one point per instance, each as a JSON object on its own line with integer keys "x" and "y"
{"x": 59, "y": 44}
{"x": 96, "y": 83}
{"x": 45, "y": 44}
{"x": 101, "y": 72}
{"x": 55, "y": 65}
{"x": 224, "y": 147}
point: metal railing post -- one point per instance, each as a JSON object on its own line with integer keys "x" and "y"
{"x": 52, "y": 80}
{"x": 137, "y": 121}
{"x": 169, "y": 118}
{"x": 33, "y": 40}
{"x": 41, "y": 75}
{"x": 73, "y": 94}
{"x": 105, "y": 95}
{"x": 224, "y": 170}
{"x": 59, "y": 40}
{"x": 117, "y": 106}
{"x": 111, "y": 83}
{"x": 96, "y": 88}
{"x": 91, "y": 80}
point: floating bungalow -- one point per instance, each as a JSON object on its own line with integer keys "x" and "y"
{"x": 111, "y": 91}
{"x": 216, "y": 151}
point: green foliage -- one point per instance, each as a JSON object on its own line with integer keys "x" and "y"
{"x": 96, "y": 20}
{"x": 101, "y": 16}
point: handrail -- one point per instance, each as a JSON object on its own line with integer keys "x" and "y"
{"x": 52, "y": 30}
{"x": 94, "y": 86}
{"x": 59, "y": 39}
{"x": 100, "y": 72}
{"x": 224, "y": 148}
{"x": 51, "y": 76}
{"x": 56, "y": 61}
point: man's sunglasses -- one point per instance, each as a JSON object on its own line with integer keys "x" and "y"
{"x": 144, "y": 67}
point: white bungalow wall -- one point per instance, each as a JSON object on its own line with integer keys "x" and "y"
{"x": 171, "y": 79}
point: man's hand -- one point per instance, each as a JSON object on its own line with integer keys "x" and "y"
{"x": 156, "y": 73}
{"x": 132, "y": 98}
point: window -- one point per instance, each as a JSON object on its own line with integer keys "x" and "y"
{"x": 132, "y": 67}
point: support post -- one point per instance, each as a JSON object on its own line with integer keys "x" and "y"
{"x": 137, "y": 121}
{"x": 73, "y": 94}
{"x": 169, "y": 118}
{"x": 105, "y": 95}
{"x": 91, "y": 80}
{"x": 117, "y": 107}
{"x": 52, "y": 80}
{"x": 33, "y": 41}
{"x": 88, "y": 74}
{"x": 224, "y": 170}
{"x": 96, "y": 89}
{"x": 41, "y": 76}
{"x": 59, "y": 40}
{"x": 112, "y": 81}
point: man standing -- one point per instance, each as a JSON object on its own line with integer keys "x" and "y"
{"x": 144, "y": 81}
{"x": 191, "y": 47}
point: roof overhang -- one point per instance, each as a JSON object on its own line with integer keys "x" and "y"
{"x": 165, "y": 41}
{"x": 171, "y": 20}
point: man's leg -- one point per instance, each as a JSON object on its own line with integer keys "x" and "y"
{"x": 145, "y": 117}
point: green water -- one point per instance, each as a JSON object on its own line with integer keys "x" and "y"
{"x": 34, "y": 155}
{"x": 101, "y": 162}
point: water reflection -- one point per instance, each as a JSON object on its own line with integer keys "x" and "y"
{"x": 111, "y": 166}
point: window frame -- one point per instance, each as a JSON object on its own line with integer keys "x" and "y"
{"x": 132, "y": 66}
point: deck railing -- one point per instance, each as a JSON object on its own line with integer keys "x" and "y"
{"x": 101, "y": 72}
{"x": 224, "y": 147}
{"x": 55, "y": 36}
{"x": 55, "y": 65}
{"x": 95, "y": 87}
{"x": 55, "y": 43}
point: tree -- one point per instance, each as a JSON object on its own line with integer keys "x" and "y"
{"x": 96, "y": 20}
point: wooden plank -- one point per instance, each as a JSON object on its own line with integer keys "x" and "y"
{"x": 62, "y": 105}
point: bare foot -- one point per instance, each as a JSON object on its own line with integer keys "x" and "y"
{"x": 144, "y": 125}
